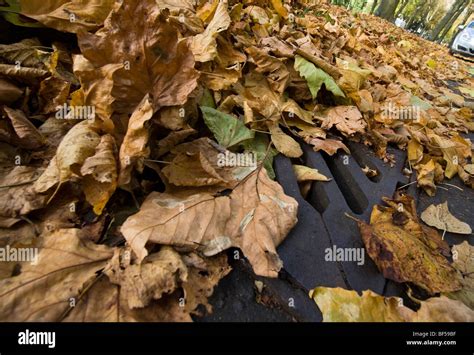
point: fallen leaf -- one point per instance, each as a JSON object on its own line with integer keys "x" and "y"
{"x": 227, "y": 129}
{"x": 28, "y": 135}
{"x": 99, "y": 173}
{"x": 463, "y": 256}
{"x": 284, "y": 143}
{"x": 42, "y": 292}
{"x": 316, "y": 77}
{"x": 134, "y": 148}
{"x": 9, "y": 92}
{"x": 78, "y": 144}
{"x": 17, "y": 195}
{"x": 204, "y": 45}
{"x": 304, "y": 173}
{"x": 339, "y": 305}
{"x": 329, "y": 146}
{"x": 68, "y": 15}
{"x": 440, "y": 217}
{"x": 256, "y": 221}
{"x": 405, "y": 251}
{"x": 153, "y": 60}
{"x": 347, "y": 119}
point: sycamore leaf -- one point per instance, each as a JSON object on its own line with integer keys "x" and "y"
{"x": 204, "y": 163}
{"x": 316, "y": 77}
{"x": 347, "y": 119}
{"x": 153, "y": 61}
{"x": 68, "y": 15}
{"x": 405, "y": 251}
{"x": 273, "y": 68}
{"x": 304, "y": 173}
{"x": 42, "y": 292}
{"x": 227, "y": 129}
{"x": 329, "y": 146}
{"x": 438, "y": 216}
{"x": 256, "y": 220}
{"x": 339, "y": 305}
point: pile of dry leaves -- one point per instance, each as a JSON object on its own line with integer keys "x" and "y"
{"x": 155, "y": 106}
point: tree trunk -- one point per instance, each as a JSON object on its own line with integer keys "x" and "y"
{"x": 469, "y": 12}
{"x": 402, "y": 7}
{"x": 450, "y": 24}
{"x": 446, "y": 19}
{"x": 374, "y": 6}
{"x": 387, "y": 9}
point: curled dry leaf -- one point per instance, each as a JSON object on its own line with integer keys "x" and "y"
{"x": 99, "y": 173}
{"x": 96, "y": 93}
{"x": 438, "y": 216}
{"x": 78, "y": 144}
{"x": 304, "y": 173}
{"x": 9, "y": 92}
{"x": 134, "y": 148}
{"x": 255, "y": 217}
{"x": 273, "y": 68}
{"x": 158, "y": 274}
{"x": 339, "y": 305}
{"x": 405, "y": 251}
{"x": 204, "y": 45}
